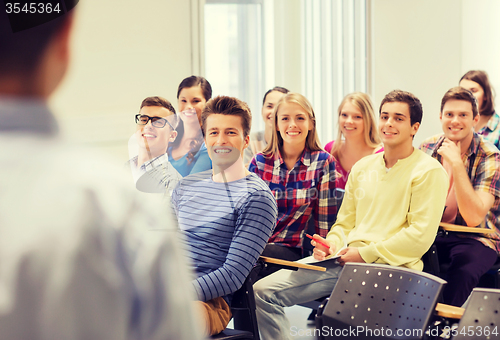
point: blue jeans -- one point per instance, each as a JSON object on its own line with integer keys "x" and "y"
{"x": 286, "y": 288}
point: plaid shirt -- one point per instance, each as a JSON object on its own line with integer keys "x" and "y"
{"x": 491, "y": 131}
{"x": 482, "y": 162}
{"x": 308, "y": 190}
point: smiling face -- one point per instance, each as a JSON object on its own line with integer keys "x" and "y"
{"x": 191, "y": 102}
{"x": 457, "y": 120}
{"x": 351, "y": 121}
{"x": 476, "y": 90}
{"x": 154, "y": 138}
{"x": 395, "y": 124}
{"x": 272, "y": 99}
{"x": 225, "y": 139}
{"x": 293, "y": 124}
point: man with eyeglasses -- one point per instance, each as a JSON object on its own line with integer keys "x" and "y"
{"x": 151, "y": 169}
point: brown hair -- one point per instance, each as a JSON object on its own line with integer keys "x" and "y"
{"x": 158, "y": 101}
{"x": 227, "y": 106}
{"x": 188, "y": 82}
{"x": 206, "y": 89}
{"x": 363, "y": 102}
{"x": 276, "y": 88}
{"x": 312, "y": 140}
{"x": 487, "y": 107}
{"x": 460, "y": 93}
{"x": 162, "y": 102}
{"x": 399, "y": 96}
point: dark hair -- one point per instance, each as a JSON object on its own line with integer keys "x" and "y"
{"x": 162, "y": 102}
{"x": 460, "y": 93}
{"x": 227, "y": 106}
{"x": 276, "y": 88}
{"x": 413, "y": 102}
{"x": 21, "y": 52}
{"x": 158, "y": 101}
{"x": 206, "y": 88}
{"x": 487, "y": 107}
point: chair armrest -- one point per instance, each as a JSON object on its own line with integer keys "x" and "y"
{"x": 464, "y": 229}
{"x": 451, "y": 312}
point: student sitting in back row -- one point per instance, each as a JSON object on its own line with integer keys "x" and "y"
{"x": 260, "y": 139}
{"x": 188, "y": 153}
{"x": 488, "y": 125}
{"x": 390, "y": 214}
{"x": 357, "y": 135}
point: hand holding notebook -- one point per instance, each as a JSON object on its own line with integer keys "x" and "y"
{"x": 324, "y": 246}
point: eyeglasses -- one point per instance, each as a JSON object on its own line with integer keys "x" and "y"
{"x": 155, "y": 121}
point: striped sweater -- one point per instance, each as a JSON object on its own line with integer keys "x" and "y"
{"x": 225, "y": 227}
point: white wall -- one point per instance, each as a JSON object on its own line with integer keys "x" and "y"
{"x": 287, "y": 49}
{"x": 425, "y": 46}
{"x": 480, "y": 42}
{"x": 417, "y": 48}
{"x": 123, "y": 51}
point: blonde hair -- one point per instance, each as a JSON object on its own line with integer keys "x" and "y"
{"x": 363, "y": 102}
{"x": 312, "y": 140}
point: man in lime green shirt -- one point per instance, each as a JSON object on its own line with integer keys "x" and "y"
{"x": 390, "y": 214}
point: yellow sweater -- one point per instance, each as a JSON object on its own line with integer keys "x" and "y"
{"x": 392, "y": 217}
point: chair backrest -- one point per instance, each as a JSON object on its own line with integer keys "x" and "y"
{"x": 431, "y": 261}
{"x": 243, "y": 310}
{"x": 243, "y": 304}
{"x": 481, "y": 319}
{"x": 373, "y": 301}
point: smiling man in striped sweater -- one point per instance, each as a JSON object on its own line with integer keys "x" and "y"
{"x": 226, "y": 214}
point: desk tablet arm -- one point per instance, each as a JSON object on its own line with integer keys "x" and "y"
{"x": 463, "y": 229}
{"x": 289, "y": 264}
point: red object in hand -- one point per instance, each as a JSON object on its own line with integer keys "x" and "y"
{"x": 320, "y": 242}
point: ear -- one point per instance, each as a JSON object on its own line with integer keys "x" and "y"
{"x": 415, "y": 128}
{"x": 55, "y": 60}
{"x": 246, "y": 142}
{"x": 62, "y": 40}
{"x": 311, "y": 124}
{"x": 476, "y": 120}
{"x": 173, "y": 136}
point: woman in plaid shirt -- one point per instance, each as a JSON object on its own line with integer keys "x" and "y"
{"x": 301, "y": 176}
